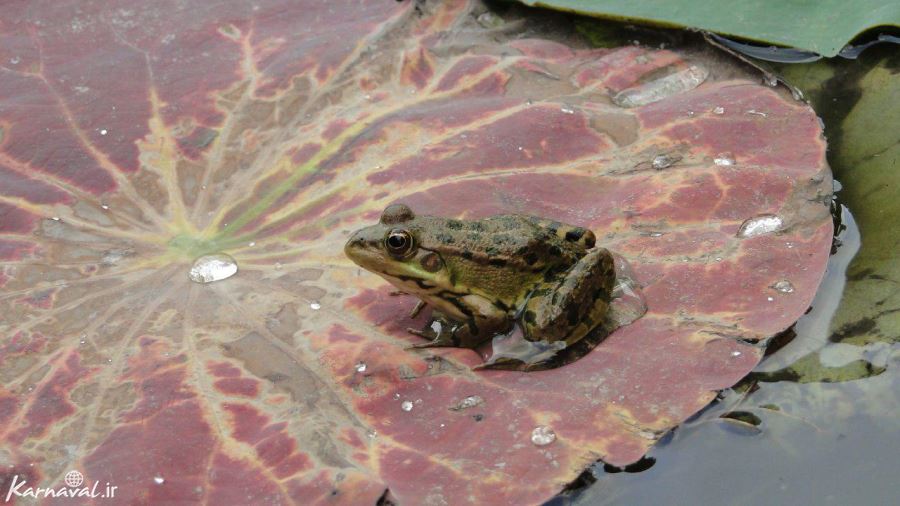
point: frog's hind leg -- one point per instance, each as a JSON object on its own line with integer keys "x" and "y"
{"x": 569, "y": 308}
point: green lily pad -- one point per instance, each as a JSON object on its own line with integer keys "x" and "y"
{"x": 823, "y": 27}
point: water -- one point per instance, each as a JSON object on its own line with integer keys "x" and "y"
{"x": 724, "y": 159}
{"x": 759, "y": 225}
{"x": 664, "y": 161}
{"x": 209, "y": 268}
{"x": 468, "y": 402}
{"x": 784, "y": 286}
{"x": 664, "y": 87}
{"x": 542, "y": 436}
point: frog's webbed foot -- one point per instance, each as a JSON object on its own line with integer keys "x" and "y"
{"x": 437, "y": 339}
{"x": 502, "y": 364}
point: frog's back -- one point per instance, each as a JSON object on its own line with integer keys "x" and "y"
{"x": 521, "y": 240}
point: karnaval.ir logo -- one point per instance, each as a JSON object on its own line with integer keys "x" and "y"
{"x": 75, "y": 486}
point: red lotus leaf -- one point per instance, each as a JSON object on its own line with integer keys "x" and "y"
{"x": 137, "y": 136}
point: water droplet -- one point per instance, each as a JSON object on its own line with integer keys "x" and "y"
{"x": 719, "y": 110}
{"x": 520, "y": 148}
{"x": 315, "y": 306}
{"x": 15, "y": 60}
{"x": 372, "y": 434}
{"x": 655, "y": 234}
{"x": 691, "y": 113}
{"x": 654, "y": 91}
{"x": 760, "y": 225}
{"x": 566, "y": 108}
{"x": 251, "y": 244}
{"x": 360, "y": 367}
{"x": 542, "y": 435}
{"x": 277, "y": 266}
{"x": 103, "y": 131}
{"x": 770, "y": 299}
{"x": 104, "y": 207}
{"x": 396, "y": 397}
{"x": 718, "y": 259}
{"x": 159, "y": 480}
{"x": 770, "y": 80}
{"x": 664, "y": 161}
{"x": 757, "y": 113}
{"x": 468, "y": 402}
{"x": 735, "y": 354}
{"x": 216, "y": 267}
{"x": 724, "y": 159}
{"x": 55, "y": 218}
{"x": 406, "y": 406}
{"x": 489, "y": 20}
{"x": 784, "y": 286}
{"x": 789, "y": 245}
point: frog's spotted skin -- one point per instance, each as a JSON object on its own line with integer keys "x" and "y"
{"x": 480, "y": 276}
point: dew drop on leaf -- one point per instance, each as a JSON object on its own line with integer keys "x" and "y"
{"x": 724, "y": 159}
{"x": 662, "y": 88}
{"x": 784, "y": 286}
{"x": 468, "y": 402}
{"x": 760, "y": 225}
{"x": 209, "y": 268}
{"x": 543, "y": 435}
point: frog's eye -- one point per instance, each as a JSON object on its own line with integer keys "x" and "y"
{"x": 398, "y": 243}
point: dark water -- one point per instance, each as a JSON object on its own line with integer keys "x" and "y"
{"x": 818, "y": 422}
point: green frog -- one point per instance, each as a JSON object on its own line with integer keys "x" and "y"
{"x": 483, "y": 276}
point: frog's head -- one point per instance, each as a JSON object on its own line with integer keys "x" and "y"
{"x": 393, "y": 249}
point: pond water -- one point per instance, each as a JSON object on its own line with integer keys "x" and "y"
{"x": 816, "y": 423}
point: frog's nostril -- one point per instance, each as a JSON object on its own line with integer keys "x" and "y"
{"x": 354, "y": 242}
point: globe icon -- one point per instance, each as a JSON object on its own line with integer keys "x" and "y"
{"x": 74, "y": 479}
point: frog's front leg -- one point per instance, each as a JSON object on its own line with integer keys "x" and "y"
{"x": 483, "y": 321}
{"x": 570, "y": 306}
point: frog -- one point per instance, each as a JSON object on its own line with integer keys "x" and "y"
{"x": 483, "y": 276}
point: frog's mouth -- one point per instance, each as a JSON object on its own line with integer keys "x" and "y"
{"x": 364, "y": 252}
